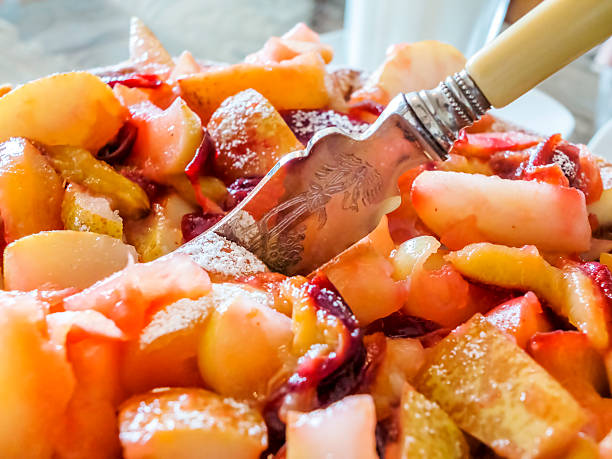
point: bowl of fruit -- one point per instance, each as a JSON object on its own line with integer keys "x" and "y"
{"x": 474, "y": 321}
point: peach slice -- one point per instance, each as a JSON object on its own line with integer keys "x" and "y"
{"x": 298, "y": 83}
{"x": 263, "y": 336}
{"x": 569, "y": 291}
{"x": 411, "y": 67}
{"x": 30, "y": 190}
{"x": 36, "y": 380}
{"x": 426, "y": 431}
{"x": 140, "y": 289}
{"x": 62, "y": 259}
{"x": 511, "y": 212}
{"x": 520, "y": 317}
{"x": 167, "y": 140}
{"x": 165, "y": 353}
{"x": 251, "y": 136}
{"x": 74, "y": 108}
{"x": 343, "y": 429}
{"x": 362, "y": 274}
{"x": 494, "y": 391}
{"x": 187, "y": 423}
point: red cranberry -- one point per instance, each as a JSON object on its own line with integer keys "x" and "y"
{"x": 239, "y": 190}
{"x": 153, "y": 190}
{"x": 121, "y": 146}
{"x": 194, "y": 224}
{"x": 132, "y": 80}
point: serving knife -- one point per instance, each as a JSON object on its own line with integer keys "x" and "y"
{"x": 315, "y": 203}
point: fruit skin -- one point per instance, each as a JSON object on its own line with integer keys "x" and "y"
{"x": 426, "y": 431}
{"x": 495, "y": 392}
{"x": 186, "y": 423}
{"x": 30, "y": 190}
{"x": 511, "y": 212}
{"x": 568, "y": 291}
{"x": 36, "y": 379}
{"x": 140, "y": 289}
{"x": 410, "y": 67}
{"x": 293, "y": 84}
{"x": 63, "y": 259}
{"x": 167, "y": 139}
{"x": 362, "y": 274}
{"x": 483, "y": 145}
{"x": 250, "y": 135}
{"x": 520, "y": 318}
{"x": 343, "y": 429}
{"x": 78, "y": 165}
{"x": 74, "y": 108}
{"x": 81, "y": 211}
{"x": 245, "y": 374}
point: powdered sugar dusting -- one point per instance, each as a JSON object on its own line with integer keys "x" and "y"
{"x": 304, "y": 123}
{"x": 222, "y": 258}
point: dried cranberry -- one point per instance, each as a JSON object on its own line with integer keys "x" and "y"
{"x": 132, "y": 80}
{"x": 601, "y": 276}
{"x": 121, "y": 146}
{"x": 194, "y": 224}
{"x": 387, "y": 431}
{"x": 401, "y": 325}
{"x": 201, "y": 164}
{"x": 239, "y": 190}
{"x": 304, "y": 123}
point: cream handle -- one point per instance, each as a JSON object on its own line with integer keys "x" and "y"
{"x": 546, "y": 39}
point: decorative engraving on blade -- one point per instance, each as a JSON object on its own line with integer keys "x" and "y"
{"x": 279, "y": 236}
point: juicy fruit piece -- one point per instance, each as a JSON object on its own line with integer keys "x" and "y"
{"x": 82, "y": 211}
{"x": 362, "y": 274}
{"x": 569, "y": 291}
{"x": 245, "y": 374}
{"x": 165, "y": 353}
{"x": 146, "y": 51}
{"x": 78, "y": 165}
{"x": 505, "y": 399}
{"x": 511, "y": 212}
{"x": 30, "y": 191}
{"x": 250, "y": 135}
{"x": 63, "y": 259}
{"x": 185, "y": 65}
{"x": 412, "y": 254}
{"x": 95, "y": 363}
{"x": 410, "y": 67}
{"x": 298, "y": 83}
{"x": 167, "y": 139}
{"x": 520, "y": 318}
{"x": 186, "y": 423}
{"x": 483, "y": 145}
{"x": 426, "y": 431}
{"x": 343, "y": 429}
{"x": 64, "y": 109}
{"x": 601, "y": 206}
{"x": 160, "y": 233}
{"x": 5, "y": 88}
{"x": 37, "y": 381}
{"x": 403, "y": 358}
{"x": 128, "y": 295}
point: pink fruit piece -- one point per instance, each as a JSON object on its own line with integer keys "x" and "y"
{"x": 304, "y": 123}
{"x": 601, "y": 276}
{"x": 195, "y": 223}
{"x": 509, "y": 212}
{"x": 129, "y": 295}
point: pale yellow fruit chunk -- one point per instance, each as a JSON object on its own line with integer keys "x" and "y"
{"x": 82, "y": 211}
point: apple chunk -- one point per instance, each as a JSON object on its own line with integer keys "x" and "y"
{"x": 62, "y": 259}
{"x": 76, "y": 109}
{"x": 494, "y": 391}
{"x": 343, "y": 429}
{"x": 190, "y": 424}
{"x": 511, "y": 212}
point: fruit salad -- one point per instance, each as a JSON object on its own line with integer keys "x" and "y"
{"x": 474, "y": 321}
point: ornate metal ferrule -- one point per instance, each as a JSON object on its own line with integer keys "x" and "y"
{"x": 443, "y": 111}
